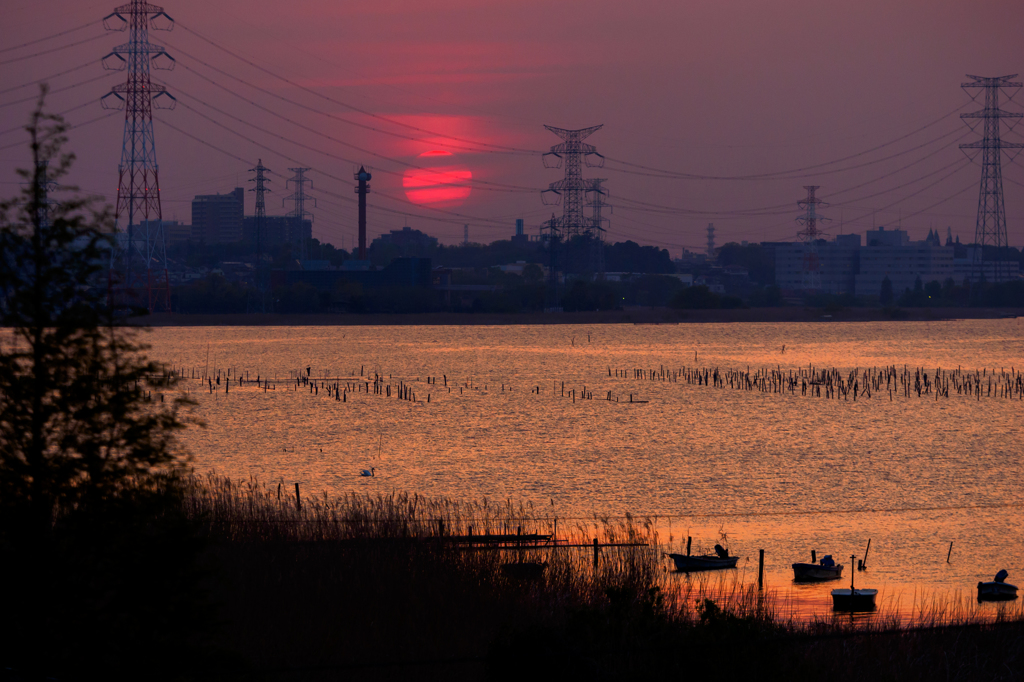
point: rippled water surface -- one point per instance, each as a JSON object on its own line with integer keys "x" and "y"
{"x": 783, "y": 472}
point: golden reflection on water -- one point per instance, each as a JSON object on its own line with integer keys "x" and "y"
{"x": 781, "y": 472}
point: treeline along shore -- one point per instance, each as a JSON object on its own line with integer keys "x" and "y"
{"x": 627, "y": 316}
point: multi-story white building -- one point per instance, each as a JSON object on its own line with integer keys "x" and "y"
{"x": 846, "y": 267}
{"x": 836, "y": 261}
{"x": 890, "y": 253}
{"x": 968, "y": 269}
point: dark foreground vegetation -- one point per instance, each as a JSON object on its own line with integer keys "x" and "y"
{"x": 232, "y": 581}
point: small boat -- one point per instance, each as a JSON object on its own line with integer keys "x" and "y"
{"x": 826, "y": 569}
{"x": 705, "y": 562}
{"x": 853, "y": 599}
{"x": 998, "y": 589}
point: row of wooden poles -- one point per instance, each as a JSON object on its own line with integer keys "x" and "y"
{"x": 830, "y": 383}
{"x": 844, "y": 385}
{"x": 339, "y": 387}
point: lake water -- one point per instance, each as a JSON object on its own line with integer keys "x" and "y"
{"x": 784, "y": 472}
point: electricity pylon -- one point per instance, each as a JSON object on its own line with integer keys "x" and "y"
{"x": 810, "y": 236}
{"x": 596, "y": 205}
{"x": 991, "y": 223}
{"x": 138, "y": 273}
{"x": 260, "y": 219}
{"x": 298, "y": 214}
{"x": 570, "y": 190}
{"x": 571, "y": 154}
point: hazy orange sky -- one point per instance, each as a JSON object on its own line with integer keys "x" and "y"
{"x": 708, "y": 88}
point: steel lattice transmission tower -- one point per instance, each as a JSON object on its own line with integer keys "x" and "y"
{"x": 711, "y": 241}
{"x": 570, "y": 155}
{"x": 299, "y": 212}
{"x": 554, "y": 248}
{"x": 990, "y": 228}
{"x": 597, "y": 205}
{"x": 139, "y": 260}
{"x": 261, "y": 216}
{"x": 810, "y": 236}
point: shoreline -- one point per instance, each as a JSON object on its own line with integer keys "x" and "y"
{"x": 630, "y": 316}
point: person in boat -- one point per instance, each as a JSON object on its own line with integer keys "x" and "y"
{"x": 1001, "y": 576}
{"x": 827, "y": 561}
{"x": 722, "y": 552}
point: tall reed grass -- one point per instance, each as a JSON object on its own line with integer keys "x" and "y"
{"x": 375, "y": 584}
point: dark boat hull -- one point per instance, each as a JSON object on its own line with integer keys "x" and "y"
{"x": 995, "y": 591}
{"x": 808, "y": 573}
{"x": 853, "y": 600}
{"x": 702, "y": 563}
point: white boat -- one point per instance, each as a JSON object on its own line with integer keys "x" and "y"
{"x": 705, "y": 562}
{"x": 997, "y": 590}
{"x": 853, "y": 599}
{"x": 826, "y": 569}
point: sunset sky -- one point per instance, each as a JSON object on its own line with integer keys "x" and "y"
{"x": 701, "y": 88}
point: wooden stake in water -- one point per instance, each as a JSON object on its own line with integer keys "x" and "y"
{"x": 760, "y": 569}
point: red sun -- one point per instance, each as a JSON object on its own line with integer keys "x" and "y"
{"x": 438, "y": 180}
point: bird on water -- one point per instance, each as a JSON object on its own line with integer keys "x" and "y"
{"x": 368, "y": 472}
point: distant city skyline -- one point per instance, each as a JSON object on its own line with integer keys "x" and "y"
{"x": 738, "y": 88}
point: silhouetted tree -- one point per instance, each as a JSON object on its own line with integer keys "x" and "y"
{"x": 885, "y": 295}
{"x": 84, "y": 453}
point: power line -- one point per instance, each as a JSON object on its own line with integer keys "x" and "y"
{"x": 70, "y": 127}
{"x": 890, "y": 174}
{"x": 300, "y": 105}
{"x": 51, "y": 50}
{"x": 927, "y": 187}
{"x": 660, "y": 172}
{"x": 490, "y": 186}
{"x": 16, "y": 128}
{"x": 784, "y": 208}
{"x": 53, "y": 92}
{"x": 458, "y": 217}
{"x": 50, "y": 37}
{"x": 354, "y": 108}
{"x": 44, "y": 79}
{"x": 321, "y": 171}
{"x": 959, "y": 163}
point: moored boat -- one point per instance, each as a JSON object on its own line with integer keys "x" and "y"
{"x": 853, "y": 599}
{"x": 998, "y": 589}
{"x": 826, "y": 569}
{"x": 705, "y": 562}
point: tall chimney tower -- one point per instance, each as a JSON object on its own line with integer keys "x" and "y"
{"x": 362, "y": 190}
